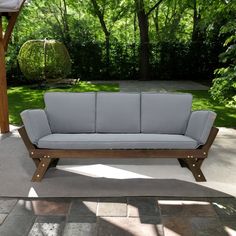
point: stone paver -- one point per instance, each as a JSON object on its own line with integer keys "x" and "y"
{"x": 2, "y": 218}
{"x": 132, "y": 216}
{"x": 225, "y": 207}
{"x": 41, "y": 207}
{"x": 160, "y": 86}
{"x": 80, "y": 229}
{"x": 16, "y": 225}
{"x": 6, "y": 205}
{"x": 81, "y": 219}
{"x": 23, "y": 208}
{"x": 48, "y": 225}
{"x": 229, "y": 225}
{"x": 112, "y": 207}
{"x": 186, "y": 208}
{"x": 142, "y": 206}
{"x": 207, "y": 226}
{"x": 82, "y": 207}
{"x": 156, "y": 85}
{"x": 174, "y": 226}
{"x": 193, "y": 226}
{"x": 49, "y": 229}
{"x": 50, "y": 219}
{"x": 117, "y": 226}
{"x": 4, "y": 136}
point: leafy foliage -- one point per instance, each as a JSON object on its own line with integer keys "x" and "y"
{"x": 224, "y": 84}
{"x": 226, "y": 116}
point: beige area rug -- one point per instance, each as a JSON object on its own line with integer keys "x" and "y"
{"x": 114, "y": 177}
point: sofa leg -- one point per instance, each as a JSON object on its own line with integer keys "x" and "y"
{"x": 41, "y": 169}
{"x": 194, "y": 165}
{"x": 36, "y": 161}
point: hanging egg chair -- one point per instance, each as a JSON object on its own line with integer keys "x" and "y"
{"x": 44, "y": 60}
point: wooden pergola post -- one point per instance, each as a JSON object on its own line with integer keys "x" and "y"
{"x": 4, "y": 41}
{"x": 4, "y": 117}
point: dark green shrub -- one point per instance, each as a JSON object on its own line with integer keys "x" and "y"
{"x": 224, "y": 84}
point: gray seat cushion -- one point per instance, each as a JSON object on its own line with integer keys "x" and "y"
{"x": 165, "y": 113}
{"x": 118, "y": 113}
{"x": 116, "y": 141}
{"x": 71, "y": 112}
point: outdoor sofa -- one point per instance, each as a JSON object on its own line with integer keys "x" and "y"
{"x": 118, "y": 125}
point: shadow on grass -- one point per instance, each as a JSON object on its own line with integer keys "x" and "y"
{"x": 25, "y": 97}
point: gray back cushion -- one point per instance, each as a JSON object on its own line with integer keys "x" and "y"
{"x": 70, "y": 112}
{"x": 165, "y": 113}
{"x": 118, "y": 113}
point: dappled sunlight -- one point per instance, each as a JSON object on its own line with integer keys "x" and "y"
{"x": 230, "y": 231}
{"x": 32, "y": 193}
{"x": 45, "y": 228}
{"x": 170, "y": 232}
{"x": 181, "y": 202}
{"x": 26, "y": 205}
{"x": 219, "y": 205}
{"x": 102, "y": 171}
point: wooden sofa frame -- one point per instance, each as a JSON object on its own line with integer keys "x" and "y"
{"x": 47, "y": 158}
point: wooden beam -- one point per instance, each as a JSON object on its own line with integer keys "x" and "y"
{"x": 4, "y": 41}
{"x": 11, "y": 23}
{"x": 4, "y": 117}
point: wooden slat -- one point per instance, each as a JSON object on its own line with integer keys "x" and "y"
{"x": 4, "y": 41}
{"x": 41, "y": 170}
{"x": 10, "y": 26}
{"x": 26, "y": 139}
{"x": 211, "y": 138}
{"x": 194, "y": 165}
{"x": 117, "y": 153}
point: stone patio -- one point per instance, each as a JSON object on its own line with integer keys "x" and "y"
{"x": 155, "y": 85}
{"x": 135, "y": 216}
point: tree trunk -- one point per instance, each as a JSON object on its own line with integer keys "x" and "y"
{"x": 66, "y": 24}
{"x": 108, "y": 51}
{"x": 156, "y": 20}
{"x": 105, "y": 30}
{"x": 144, "y": 41}
{"x": 197, "y": 47}
{"x": 195, "y": 21}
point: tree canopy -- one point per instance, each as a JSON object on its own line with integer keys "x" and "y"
{"x": 129, "y": 39}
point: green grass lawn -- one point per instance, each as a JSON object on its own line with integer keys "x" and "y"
{"x": 226, "y": 117}
{"x": 25, "y": 97}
